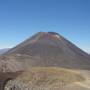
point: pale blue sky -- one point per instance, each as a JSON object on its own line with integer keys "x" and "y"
{"x": 19, "y": 19}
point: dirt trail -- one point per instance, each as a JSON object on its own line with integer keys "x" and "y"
{"x": 85, "y": 85}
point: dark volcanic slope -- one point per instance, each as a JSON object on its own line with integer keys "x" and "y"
{"x": 49, "y": 49}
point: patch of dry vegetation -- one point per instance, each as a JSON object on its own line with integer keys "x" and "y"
{"x": 49, "y": 75}
{"x": 44, "y": 78}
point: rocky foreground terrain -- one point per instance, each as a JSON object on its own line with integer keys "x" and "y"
{"x": 46, "y": 78}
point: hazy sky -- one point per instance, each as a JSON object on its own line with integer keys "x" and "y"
{"x": 19, "y": 19}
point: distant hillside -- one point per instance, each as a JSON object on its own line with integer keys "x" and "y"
{"x": 2, "y": 51}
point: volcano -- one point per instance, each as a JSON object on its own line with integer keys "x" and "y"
{"x": 46, "y": 49}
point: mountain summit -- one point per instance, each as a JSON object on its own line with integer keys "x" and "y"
{"x": 49, "y": 49}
